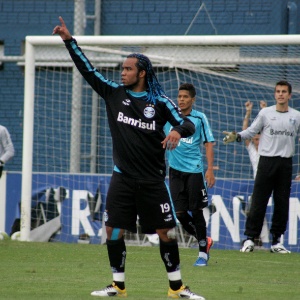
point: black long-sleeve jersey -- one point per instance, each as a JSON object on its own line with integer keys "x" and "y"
{"x": 136, "y": 125}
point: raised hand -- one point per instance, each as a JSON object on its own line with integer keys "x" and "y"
{"x": 248, "y": 106}
{"x": 62, "y": 30}
{"x": 262, "y": 104}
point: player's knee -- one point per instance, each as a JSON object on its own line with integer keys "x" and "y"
{"x": 114, "y": 234}
{"x": 166, "y": 234}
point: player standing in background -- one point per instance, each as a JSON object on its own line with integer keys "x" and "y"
{"x": 186, "y": 173}
{"x": 7, "y": 150}
{"x": 252, "y": 148}
{"x": 252, "y": 144}
{"x": 137, "y": 110}
{"x": 278, "y": 125}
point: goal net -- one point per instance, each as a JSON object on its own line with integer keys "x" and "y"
{"x": 67, "y": 150}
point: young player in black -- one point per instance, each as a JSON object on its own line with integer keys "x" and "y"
{"x": 137, "y": 111}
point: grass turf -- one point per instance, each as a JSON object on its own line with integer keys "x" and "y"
{"x": 72, "y": 271}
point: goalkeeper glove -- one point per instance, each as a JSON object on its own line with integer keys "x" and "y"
{"x": 231, "y": 137}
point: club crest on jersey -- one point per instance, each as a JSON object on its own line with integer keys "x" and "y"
{"x": 149, "y": 111}
{"x": 292, "y": 121}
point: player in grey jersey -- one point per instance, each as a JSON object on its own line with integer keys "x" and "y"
{"x": 278, "y": 125}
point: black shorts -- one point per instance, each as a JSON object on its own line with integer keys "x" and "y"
{"x": 188, "y": 190}
{"x": 128, "y": 198}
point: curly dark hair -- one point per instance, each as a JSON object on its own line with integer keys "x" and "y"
{"x": 154, "y": 88}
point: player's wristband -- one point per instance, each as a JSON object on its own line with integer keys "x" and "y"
{"x": 238, "y": 138}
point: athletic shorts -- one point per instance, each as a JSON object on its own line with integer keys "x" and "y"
{"x": 128, "y": 198}
{"x": 188, "y": 190}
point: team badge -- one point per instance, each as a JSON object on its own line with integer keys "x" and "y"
{"x": 149, "y": 111}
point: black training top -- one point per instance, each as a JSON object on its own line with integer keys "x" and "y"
{"x": 136, "y": 125}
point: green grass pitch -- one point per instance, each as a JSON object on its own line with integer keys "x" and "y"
{"x": 71, "y": 271}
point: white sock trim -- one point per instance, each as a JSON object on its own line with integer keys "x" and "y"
{"x": 203, "y": 255}
{"x": 174, "y": 276}
{"x": 119, "y": 277}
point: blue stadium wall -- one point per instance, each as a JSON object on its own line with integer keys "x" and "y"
{"x": 19, "y": 18}
{"x": 77, "y": 214}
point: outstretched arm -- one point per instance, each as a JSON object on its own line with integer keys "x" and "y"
{"x": 62, "y": 30}
{"x": 101, "y": 85}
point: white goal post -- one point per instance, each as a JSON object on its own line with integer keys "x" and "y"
{"x": 66, "y": 141}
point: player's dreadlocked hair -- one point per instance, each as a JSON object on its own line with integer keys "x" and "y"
{"x": 154, "y": 88}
